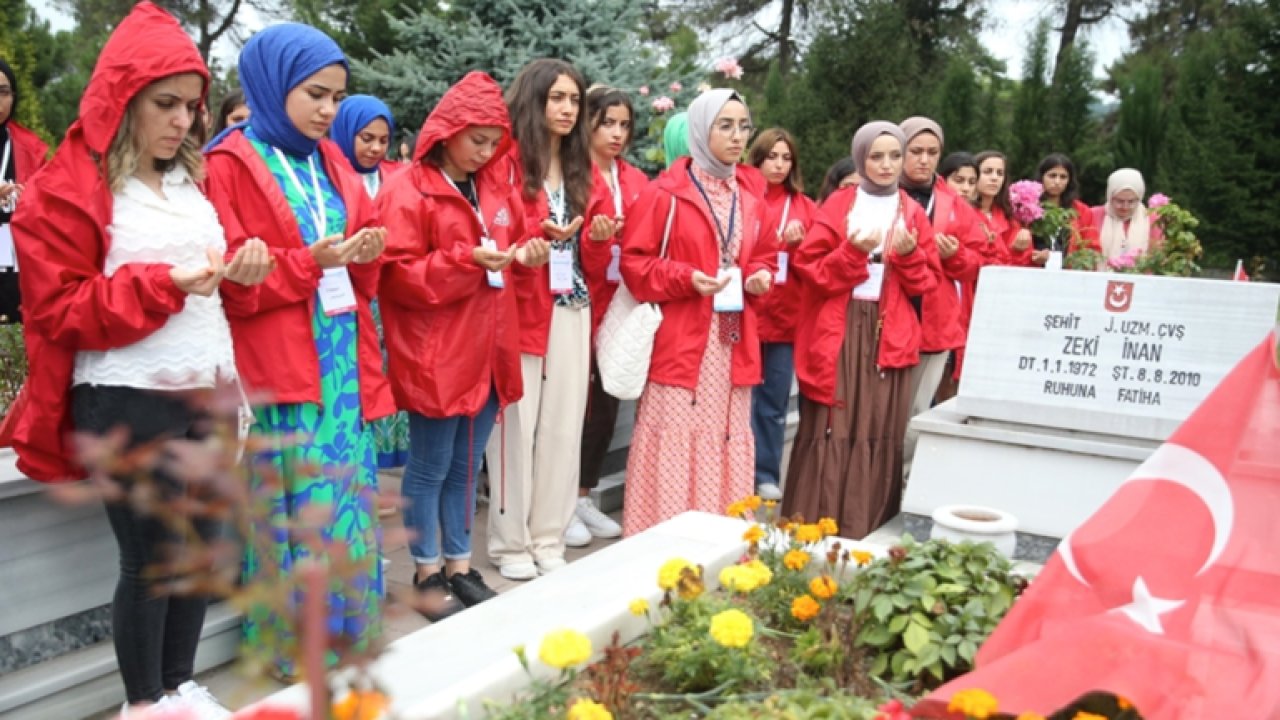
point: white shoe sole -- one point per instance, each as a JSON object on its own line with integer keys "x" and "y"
{"x": 518, "y": 571}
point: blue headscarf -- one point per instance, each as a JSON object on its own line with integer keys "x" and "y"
{"x": 273, "y": 62}
{"x": 354, "y": 114}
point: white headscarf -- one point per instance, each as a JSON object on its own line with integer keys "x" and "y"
{"x": 702, "y": 115}
{"x": 1115, "y": 241}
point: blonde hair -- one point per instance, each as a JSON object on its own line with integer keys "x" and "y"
{"x": 124, "y": 153}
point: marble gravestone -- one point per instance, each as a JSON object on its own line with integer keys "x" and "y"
{"x": 1070, "y": 380}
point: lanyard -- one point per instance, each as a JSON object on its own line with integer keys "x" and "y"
{"x": 616, "y": 190}
{"x": 786, "y": 210}
{"x": 316, "y": 210}
{"x": 484, "y": 227}
{"x": 4, "y": 164}
{"x": 725, "y": 238}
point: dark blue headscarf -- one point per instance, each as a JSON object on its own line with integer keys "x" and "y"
{"x": 273, "y": 62}
{"x": 354, "y": 114}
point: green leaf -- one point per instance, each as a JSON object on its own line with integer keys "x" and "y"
{"x": 898, "y": 623}
{"x": 928, "y": 655}
{"x": 927, "y": 602}
{"x": 882, "y": 607}
{"x": 875, "y": 635}
{"x": 922, "y": 619}
{"x": 948, "y": 655}
{"x": 862, "y": 600}
{"x": 948, "y": 588}
{"x": 915, "y": 637}
{"x": 967, "y": 650}
{"x": 880, "y": 664}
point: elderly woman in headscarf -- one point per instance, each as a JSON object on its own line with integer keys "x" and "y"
{"x": 692, "y": 448}
{"x": 866, "y": 262}
{"x": 363, "y": 130}
{"x": 1125, "y": 226}
{"x": 307, "y": 349}
{"x": 23, "y": 153}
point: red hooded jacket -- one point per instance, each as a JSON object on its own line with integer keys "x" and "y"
{"x": 275, "y": 347}
{"x": 832, "y": 267}
{"x": 694, "y": 245}
{"x": 1003, "y": 230}
{"x": 29, "y": 151}
{"x": 60, "y": 231}
{"x": 596, "y": 256}
{"x": 780, "y": 307}
{"x": 944, "y": 326}
{"x": 450, "y": 336}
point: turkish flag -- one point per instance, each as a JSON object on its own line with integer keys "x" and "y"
{"x": 1169, "y": 595}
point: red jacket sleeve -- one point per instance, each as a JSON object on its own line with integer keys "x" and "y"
{"x": 967, "y": 260}
{"x": 66, "y": 297}
{"x": 649, "y": 277}
{"x": 764, "y": 254}
{"x": 826, "y": 259}
{"x": 417, "y": 272}
{"x": 913, "y": 268}
{"x": 597, "y": 254}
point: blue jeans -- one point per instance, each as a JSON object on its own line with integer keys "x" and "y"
{"x": 440, "y": 482}
{"x": 769, "y": 410}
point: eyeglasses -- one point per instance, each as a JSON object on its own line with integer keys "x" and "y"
{"x": 728, "y": 128}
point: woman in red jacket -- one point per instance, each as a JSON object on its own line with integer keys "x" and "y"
{"x": 1061, "y": 188}
{"x": 995, "y": 212}
{"x": 787, "y": 213}
{"x": 542, "y": 440}
{"x": 307, "y": 347}
{"x": 617, "y": 185}
{"x": 692, "y": 448}
{"x": 866, "y": 264}
{"x": 24, "y": 153}
{"x": 122, "y": 261}
{"x": 453, "y": 224}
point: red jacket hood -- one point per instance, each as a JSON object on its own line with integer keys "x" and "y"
{"x": 476, "y": 99}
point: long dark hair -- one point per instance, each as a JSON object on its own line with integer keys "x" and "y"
{"x": 600, "y": 98}
{"x": 527, "y": 103}
{"x": 230, "y": 101}
{"x": 1001, "y": 199}
{"x": 955, "y": 161}
{"x": 794, "y": 181}
{"x": 1053, "y": 160}
{"x": 843, "y": 168}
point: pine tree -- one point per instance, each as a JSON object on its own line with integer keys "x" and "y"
{"x": 1030, "y": 126}
{"x": 959, "y": 97}
{"x": 1141, "y": 124}
{"x": 1071, "y": 120}
{"x": 17, "y": 20}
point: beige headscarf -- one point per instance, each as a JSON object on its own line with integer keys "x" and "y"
{"x": 1115, "y": 241}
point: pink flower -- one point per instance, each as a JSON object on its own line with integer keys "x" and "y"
{"x": 644, "y": 90}
{"x": 1124, "y": 262}
{"x": 676, "y": 87}
{"x": 1025, "y": 196}
{"x": 1158, "y": 200}
{"x": 729, "y": 67}
{"x": 663, "y": 104}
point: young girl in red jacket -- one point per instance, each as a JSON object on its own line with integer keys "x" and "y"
{"x": 536, "y": 456}
{"x": 866, "y": 262}
{"x": 453, "y": 223}
{"x": 692, "y": 448}
{"x": 995, "y": 212}
{"x": 617, "y": 185}
{"x": 787, "y": 213}
{"x": 125, "y": 326}
{"x": 23, "y": 154}
{"x": 307, "y": 347}
{"x": 1062, "y": 188}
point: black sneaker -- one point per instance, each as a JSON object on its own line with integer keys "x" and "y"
{"x": 470, "y": 588}
{"x": 436, "y": 600}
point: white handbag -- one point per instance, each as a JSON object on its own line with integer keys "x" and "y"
{"x": 624, "y": 342}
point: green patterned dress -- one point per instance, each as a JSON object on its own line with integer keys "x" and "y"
{"x": 315, "y": 485}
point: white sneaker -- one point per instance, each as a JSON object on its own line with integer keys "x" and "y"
{"x": 167, "y": 707}
{"x": 518, "y": 571}
{"x": 198, "y": 699}
{"x": 596, "y": 522}
{"x": 769, "y": 491}
{"x": 550, "y": 564}
{"x": 577, "y": 534}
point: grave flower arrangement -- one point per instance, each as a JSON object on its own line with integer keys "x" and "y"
{"x": 1051, "y": 225}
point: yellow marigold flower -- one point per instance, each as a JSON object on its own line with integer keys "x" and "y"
{"x": 808, "y": 533}
{"x": 669, "y": 573}
{"x": 795, "y": 560}
{"x": 639, "y": 606}
{"x": 828, "y": 526}
{"x": 753, "y": 502}
{"x": 974, "y": 703}
{"x": 732, "y": 628}
{"x": 753, "y": 534}
{"x": 564, "y": 648}
{"x": 585, "y": 709}
{"x": 862, "y": 557}
{"x": 1082, "y": 715}
{"x": 736, "y": 509}
{"x": 762, "y": 572}
{"x": 771, "y": 504}
{"x": 1123, "y": 702}
{"x": 1030, "y": 716}
{"x": 738, "y": 579}
{"x": 823, "y": 587}
{"x": 805, "y": 608}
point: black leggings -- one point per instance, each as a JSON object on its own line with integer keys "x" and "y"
{"x": 155, "y": 633}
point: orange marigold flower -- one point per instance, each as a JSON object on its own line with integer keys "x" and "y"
{"x": 1082, "y": 715}
{"x": 808, "y": 533}
{"x": 795, "y": 560}
{"x": 828, "y": 526}
{"x": 1030, "y": 716}
{"x": 823, "y": 587}
{"x": 1123, "y": 702}
{"x": 805, "y": 608}
{"x": 771, "y": 504}
{"x": 753, "y": 534}
{"x": 975, "y": 703}
{"x": 753, "y": 502}
{"x": 862, "y": 557}
{"x": 736, "y": 509}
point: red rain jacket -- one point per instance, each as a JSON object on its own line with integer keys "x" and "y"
{"x": 780, "y": 307}
{"x": 60, "y": 231}
{"x": 450, "y": 336}
{"x": 29, "y": 151}
{"x": 596, "y": 256}
{"x": 694, "y": 245}
{"x": 275, "y": 347}
{"x": 944, "y": 321}
{"x": 832, "y": 267}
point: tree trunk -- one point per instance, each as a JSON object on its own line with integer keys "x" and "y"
{"x": 1070, "y": 28}
{"x": 785, "y": 48}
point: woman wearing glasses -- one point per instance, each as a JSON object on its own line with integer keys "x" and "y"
{"x": 692, "y": 448}
{"x": 1125, "y": 227}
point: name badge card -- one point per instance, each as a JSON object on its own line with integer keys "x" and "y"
{"x": 870, "y": 288}
{"x": 780, "y": 277}
{"x": 613, "y": 273}
{"x": 561, "y": 272}
{"x": 495, "y": 276}
{"x": 730, "y": 298}
{"x": 337, "y": 294}
{"x": 8, "y": 258}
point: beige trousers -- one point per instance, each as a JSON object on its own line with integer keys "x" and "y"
{"x": 537, "y": 447}
{"x": 925, "y": 378}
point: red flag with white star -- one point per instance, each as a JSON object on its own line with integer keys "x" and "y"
{"x": 1169, "y": 595}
